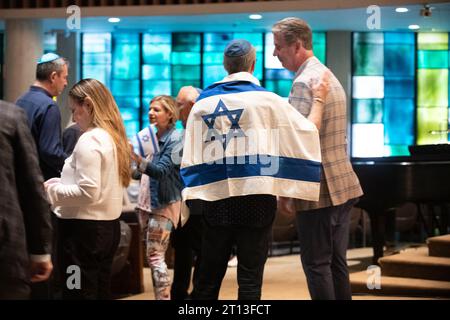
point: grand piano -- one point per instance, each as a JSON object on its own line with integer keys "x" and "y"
{"x": 388, "y": 182}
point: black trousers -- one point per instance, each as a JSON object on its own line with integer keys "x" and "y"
{"x": 14, "y": 289}
{"x": 323, "y": 237}
{"x": 90, "y": 246}
{"x": 252, "y": 248}
{"x": 186, "y": 241}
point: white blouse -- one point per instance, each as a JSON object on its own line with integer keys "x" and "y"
{"x": 89, "y": 187}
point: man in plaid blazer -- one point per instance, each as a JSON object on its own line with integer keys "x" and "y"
{"x": 25, "y": 229}
{"x": 322, "y": 226}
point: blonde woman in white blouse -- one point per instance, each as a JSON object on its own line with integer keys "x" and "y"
{"x": 88, "y": 197}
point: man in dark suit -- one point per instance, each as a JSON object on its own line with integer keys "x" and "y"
{"x": 25, "y": 228}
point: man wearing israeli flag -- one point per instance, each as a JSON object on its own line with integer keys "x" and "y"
{"x": 243, "y": 147}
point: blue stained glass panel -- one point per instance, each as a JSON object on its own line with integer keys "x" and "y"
{"x": 126, "y": 61}
{"x": 97, "y": 58}
{"x": 96, "y": 42}
{"x": 279, "y": 74}
{"x": 156, "y": 53}
{"x": 100, "y": 72}
{"x": 399, "y": 38}
{"x": 399, "y": 60}
{"x": 153, "y": 88}
{"x": 399, "y": 87}
{"x": 125, "y": 87}
{"x": 131, "y": 127}
{"x": 398, "y": 121}
{"x": 129, "y": 114}
{"x": 213, "y": 73}
{"x": 127, "y": 102}
{"x": 156, "y": 72}
{"x": 216, "y": 38}
{"x": 157, "y": 38}
{"x": 213, "y": 58}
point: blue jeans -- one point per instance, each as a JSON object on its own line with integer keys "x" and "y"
{"x": 323, "y": 237}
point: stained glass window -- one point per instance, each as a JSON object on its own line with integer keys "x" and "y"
{"x": 432, "y": 88}
{"x": 186, "y": 59}
{"x": 213, "y": 47}
{"x": 383, "y": 93}
{"x": 156, "y": 69}
{"x": 125, "y": 80}
{"x": 96, "y": 57}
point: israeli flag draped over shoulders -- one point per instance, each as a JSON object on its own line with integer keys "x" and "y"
{"x": 242, "y": 139}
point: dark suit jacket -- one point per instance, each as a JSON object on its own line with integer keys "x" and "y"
{"x": 25, "y": 221}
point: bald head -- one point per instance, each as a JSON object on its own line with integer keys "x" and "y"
{"x": 185, "y": 100}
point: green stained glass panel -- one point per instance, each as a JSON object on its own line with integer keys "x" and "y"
{"x": 392, "y": 150}
{"x": 186, "y": 42}
{"x": 368, "y": 60}
{"x": 319, "y": 46}
{"x": 177, "y": 84}
{"x": 432, "y": 59}
{"x": 432, "y": 41}
{"x": 367, "y": 111}
{"x": 432, "y": 86}
{"x": 280, "y": 87}
{"x": 185, "y": 58}
{"x": 180, "y": 72}
{"x": 368, "y": 54}
{"x": 431, "y": 119}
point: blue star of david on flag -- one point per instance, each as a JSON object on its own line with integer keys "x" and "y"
{"x": 235, "y": 130}
{"x": 145, "y": 138}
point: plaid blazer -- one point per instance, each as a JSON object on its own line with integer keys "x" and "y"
{"x": 25, "y": 216}
{"x": 338, "y": 182}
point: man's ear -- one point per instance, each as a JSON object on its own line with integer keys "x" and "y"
{"x": 252, "y": 69}
{"x": 53, "y": 76}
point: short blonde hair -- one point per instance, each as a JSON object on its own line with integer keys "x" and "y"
{"x": 170, "y": 105}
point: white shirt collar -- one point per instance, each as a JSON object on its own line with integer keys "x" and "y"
{"x": 240, "y": 76}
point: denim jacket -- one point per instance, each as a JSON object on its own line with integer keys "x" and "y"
{"x": 165, "y": 182}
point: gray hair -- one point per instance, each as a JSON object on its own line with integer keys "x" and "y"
{"x": 294, "y": 29}
{"x": 241, "y": 63}
{"x": 44, "y": 70}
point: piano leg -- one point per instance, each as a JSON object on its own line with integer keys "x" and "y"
{"x": 378, "y": 227}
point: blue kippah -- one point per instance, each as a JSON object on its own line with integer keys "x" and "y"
{"x": 237, "y": 48}
{"x": 48, "y": 57}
